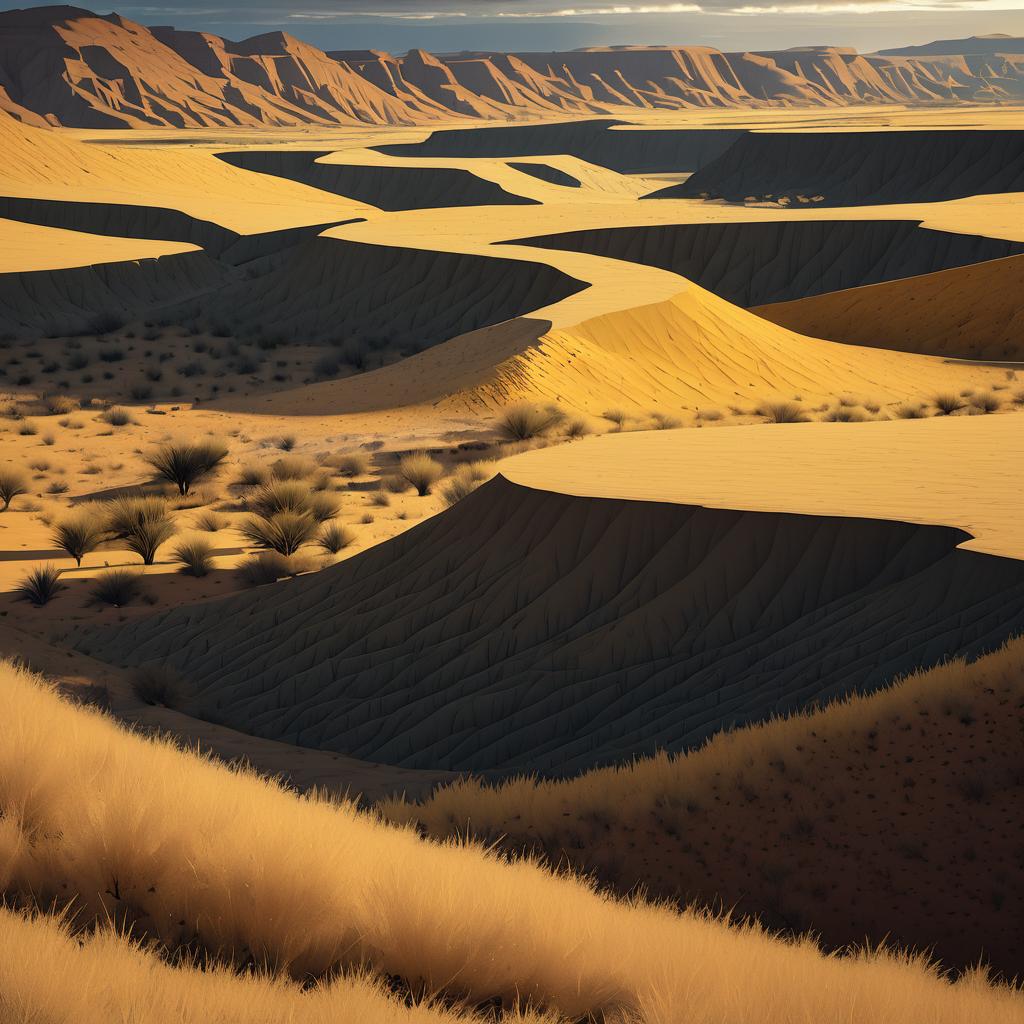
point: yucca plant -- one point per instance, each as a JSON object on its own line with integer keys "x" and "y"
{"x": 78, "y": 535}
{"x": 182, "y": 464}
{"x": 12, "y": 484}
{"x": 40, "y": 586}
{"x": 421, "y": 471}
{"x": 283, "y": 532}
{"x": 143, "y": 523}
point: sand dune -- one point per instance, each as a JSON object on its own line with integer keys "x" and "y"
{"x": 524, "y": 630}
{"x": 968, "y": 313}
{"x": 861, "y": 168}
{"x": 754, "y": 263}
{"x": 859, "y": 820}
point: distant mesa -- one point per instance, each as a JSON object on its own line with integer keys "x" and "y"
{"x": 67, "y": 66}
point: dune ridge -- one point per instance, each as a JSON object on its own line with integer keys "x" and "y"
{"x": 526, "y": 630}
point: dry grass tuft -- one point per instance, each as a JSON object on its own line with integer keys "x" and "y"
{"x": 986, "y": 403}
{"x": 284, "y": 532}
{"x": 782, "y": 412}
{"x": 421, "y": 472}
{"x": 40, "y": 586}
{"x": 143, "y": 523}
{"x": 78, "y": 535}
{"x": 116, "y": 416}
{"x": 524, "y": 422}
{"x": 117, "y": 587}
{"x": 334, "y": 537}
{"x": 195, "y": 555}
{"x": 947, "y": 404}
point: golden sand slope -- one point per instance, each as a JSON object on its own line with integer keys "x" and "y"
{"x": 29, "y": 247}
{"x": 887, "y": 816}
{"x": 957, "y": 471}
{"x": 970, "y": 312}
{"x": 304, "y": 885}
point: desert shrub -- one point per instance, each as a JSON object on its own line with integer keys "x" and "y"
{"x": 28, "y": 428}
{"x": 144, "y": 523}
{"x": 381, "y": 497}
{"x": 911, "y": 412}
{"x": 707, "y": 415}
{"x": 39, "y": 465}
{"x": 286, "y": 443}
{"x": 459, "y": 485}
{"x": 283, "y": 532}
{"x": 421, "y": 471}
{"x": 845, "y": 415}
{"x": 1018, "y": 398}
{"x": 986, "y": 403}
{"x": 116, "y": 416}
{"x": 292, "y": 496}
{"x": 292, "y": 467}
{"x": 57, "y": 487}
{"x": 13, "y": 483}
{"x": 117, "y": 587}
{"x": 210, "y": 521}
{"x": 576, "y": 428}
{"x": 353, "y": 464}
{"x": 70, "y": 423}
{"x": 334, "y": 537}
{"x": 947, "y": 404}
{"x": 395, "y": 484}
{"x": 183, "y": 464}
{"x": 59, "y": 405}
{"x": 524, "y": 422}
{"x": 40, "y": 586}
{"x": 195, "y": 555}
{"x": 47, "y": 439}
{"x": 252, "y": 476}
{"x": 269, "y": 566}
{"x": 782, "y": 412}
{"x": 78, "y": 535}
{"x": 615, "y": 416}
{"x": 157, "y": 685}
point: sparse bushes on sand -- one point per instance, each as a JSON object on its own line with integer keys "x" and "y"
{"x": 421, "y": 472}
{"x": 252, "y": 476}
{"x": 466, "y": 479}
{"x": 845, "y": 414}
{"x": 283, "y": 532}
{"x": 184, "y": 463}
{"x": 210, "y": 521}
{"x": 292, "y": 467}
{"x": 986, "y": 403}
{"x": 143, "y": 523}
{"x": 13, "y": 484}
{"x": 947, "y": 404}
{"x": 353, "y": 464}
{"x": 40, "y": 586}
{"x": 78, "y": 535}
{"x": 292, "y": 496}
{"x": 576, "y": 428}
{"x": 116, "y": 416}
{"x": 525, "y": 422}
{"x": 334, "y": 537}
{"x": 782, "y": 412}
{"x": 117, "y": 587}
{"x": 195, "y": 555}
{"x": 911, "y": 412}
{"x": 616, "y": 417}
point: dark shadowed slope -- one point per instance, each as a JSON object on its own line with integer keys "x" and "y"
{"x": 753, "y": 263}
{"x": 861, "y": 168}
{"x": 529, "y": 630}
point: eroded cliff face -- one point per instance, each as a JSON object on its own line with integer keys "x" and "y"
{"x": 68, "y": 66}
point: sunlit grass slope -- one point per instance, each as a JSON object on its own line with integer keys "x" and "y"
{"x": 195, "y": 855}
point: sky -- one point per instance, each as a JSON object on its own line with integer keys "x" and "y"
{"x": 453, "y": 25}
